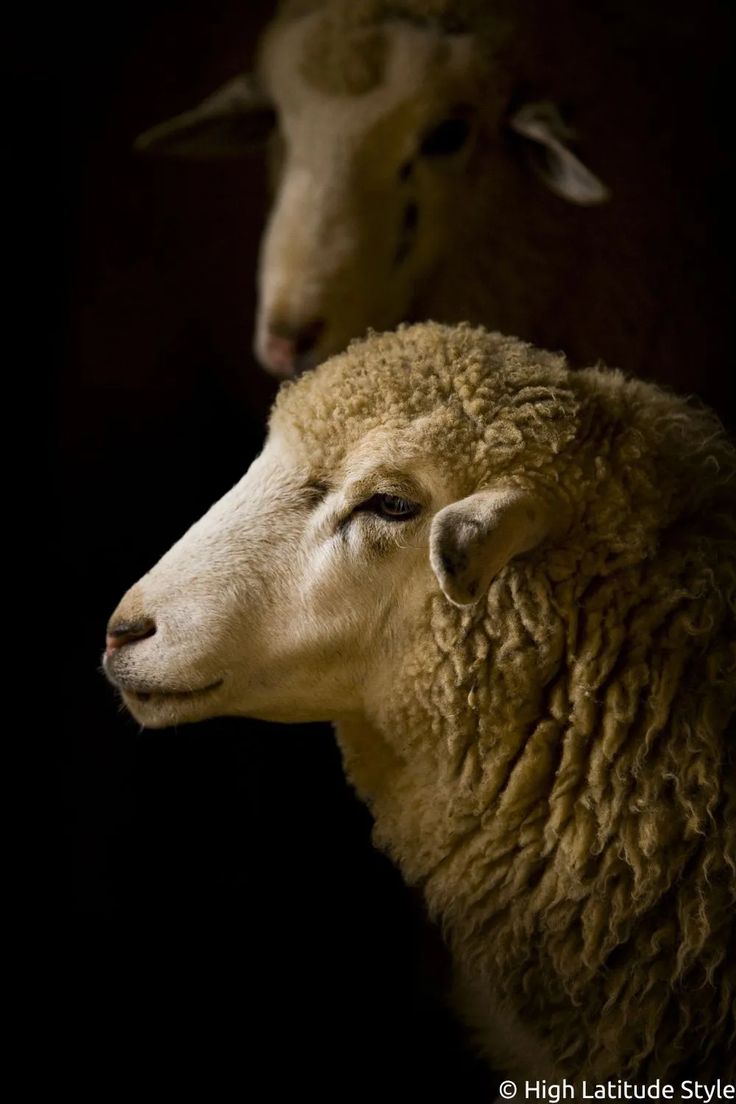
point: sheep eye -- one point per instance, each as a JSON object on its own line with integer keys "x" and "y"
{"x": 446, "y": 138}
{"x": 391, "y": 507}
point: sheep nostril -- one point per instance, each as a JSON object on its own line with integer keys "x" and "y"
{"x": 128, "y": 632}
{"x": 280, "y": 356}
{"x": 287, "y": 345}
{"x": 306, "y": 337}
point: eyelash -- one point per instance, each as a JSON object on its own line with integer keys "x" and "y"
{"x": 383, "y": 504}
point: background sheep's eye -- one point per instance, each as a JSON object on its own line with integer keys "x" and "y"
{"x": 391, "y": 507}
{"x": 446, "y": 138}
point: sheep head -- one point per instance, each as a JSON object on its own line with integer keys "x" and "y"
{"x": 297, "y": 589}
{"x": 379, "y": 128}
{"x": 417, "y": 467}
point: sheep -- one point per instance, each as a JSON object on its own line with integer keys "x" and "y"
{"x": 525, "y": 166}
{"x": 511, "y": 586}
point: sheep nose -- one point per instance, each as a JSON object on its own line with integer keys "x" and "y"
{"x": 128, "y": 632}
{"x": 288, "y": 347}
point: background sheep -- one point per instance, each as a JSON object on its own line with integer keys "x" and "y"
{"x": 440, "y": 159}
{"x": 545, "y": 745}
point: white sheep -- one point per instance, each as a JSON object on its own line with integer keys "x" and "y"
{"x": 424, "y": 167}
{"x": 512, "y": 586}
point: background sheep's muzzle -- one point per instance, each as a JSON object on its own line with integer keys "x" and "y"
{"x": 287, "y": 351}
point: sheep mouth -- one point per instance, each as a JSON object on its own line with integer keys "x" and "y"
{"x": 146, "y": 696}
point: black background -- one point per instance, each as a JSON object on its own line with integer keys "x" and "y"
{"x": 231, "y": 928}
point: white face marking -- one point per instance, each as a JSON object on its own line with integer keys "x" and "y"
{"x": 282, "y": 603}
{"x": 348, "y": 239}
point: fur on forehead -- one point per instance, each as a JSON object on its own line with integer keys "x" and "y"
{"x": 470, "y": 401}
{"x": 356, "y": 48}
{"x": 450, "y": 16}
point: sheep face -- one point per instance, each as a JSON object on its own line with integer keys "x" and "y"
{"x": 393, "y": 148}
{"x": 281, "y": 602}
{"x": 366, "y": 184}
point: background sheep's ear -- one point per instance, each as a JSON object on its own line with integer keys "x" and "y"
{"x": 472, "y": 540}
{"x": 235, "y": 117}
{"x": 546, "y": 135}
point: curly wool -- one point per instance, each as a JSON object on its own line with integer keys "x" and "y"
{"x": 559, "y": 764}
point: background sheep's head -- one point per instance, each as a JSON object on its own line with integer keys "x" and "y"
{"x": 376, "y": 127}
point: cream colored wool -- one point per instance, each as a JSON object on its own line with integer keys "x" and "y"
{"x": 555, "y": 765}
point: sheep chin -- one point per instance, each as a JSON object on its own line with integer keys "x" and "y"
{"x": 164, "y": 709}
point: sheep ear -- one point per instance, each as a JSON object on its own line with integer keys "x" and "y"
{"x": 550, "y": 157}
{"x": 235, "y": 117}
{"x": 472, "y": 540}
